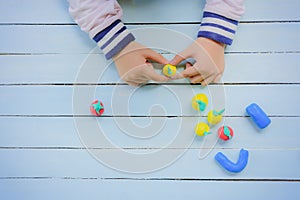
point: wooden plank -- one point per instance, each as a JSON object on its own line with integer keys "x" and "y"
{"x": 42, "y": 157}
{"x": 279, "y": 100}
{"x": 63, "y": 68}
{"x": 70, "y": 39}
{"x": 40, "y": 132}
{"x": 262, "y": 164}
{"x": 136, "y": 11}
{"x": 170, "y": 11}
{"x": 147, "y": 189}
{"x": 61, "y": 132}
{"x": 35, "y": 11}
{"x": 33, "y": 68}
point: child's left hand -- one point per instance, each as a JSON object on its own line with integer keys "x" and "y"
{"x": 134, "y": 67}
{"x": 209, "y": 65}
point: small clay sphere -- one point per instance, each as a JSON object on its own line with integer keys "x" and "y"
{"x": 97, "y": 108}
{"x": 199, "y": 102}
{"x": 169, "y": 70}
{"x": 202, "y": 129}
{"x": 225, "y": 133}
{"x": 214, "y": 117}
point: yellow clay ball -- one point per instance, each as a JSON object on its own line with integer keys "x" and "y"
{"x": 199, "y": 102}
{"x": 214, "y": 117}
{"x": 169, "y": 70}
{"x": 202, "y": 129}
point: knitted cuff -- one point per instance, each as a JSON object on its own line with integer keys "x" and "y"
{"x": 113, "y": 38}
{"x": 217, "y": 27}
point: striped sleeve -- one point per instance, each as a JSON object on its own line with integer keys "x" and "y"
{"x": 217, "y": 27}
{"x": 113, "y": 38}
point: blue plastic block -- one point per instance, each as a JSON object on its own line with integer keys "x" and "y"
{"x": 258, "y": 116}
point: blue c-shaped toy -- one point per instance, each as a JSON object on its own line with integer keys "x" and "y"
{"x": 229, "y": 165}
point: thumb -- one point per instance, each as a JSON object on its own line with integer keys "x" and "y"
{"x": 150, "y": 54}
{"x": 152, "y": 75}
{"x": 180, "y": 57}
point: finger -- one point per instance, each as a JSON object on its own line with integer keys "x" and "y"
{"x": 180, "y": 57}
{"x": 218, "y": 78}
{"x": 137, "y": 79}
{"x": 132, "y": 83}
{"x": 188, "y": 72}
{"x": 177, "y": 76}
{"x": 188, "y": 64}
{"x": 134, "y": 77}
{"x": 196, "y": 79}
{"x": 208, "y": 80}
{"x": 152, "y": 75}
{"x": 191, "y": 71}
{"x": 180, "y": 75}
{"x": 137, "y": 83}
{"x": 150, "y": 54}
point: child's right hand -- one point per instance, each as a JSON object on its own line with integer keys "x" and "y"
{"x": 133, "y": 66}
{"x": 209, "y": 65}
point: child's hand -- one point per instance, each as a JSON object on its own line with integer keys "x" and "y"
{"x": 209, "y": 65}
{"x": 133, "y": 66}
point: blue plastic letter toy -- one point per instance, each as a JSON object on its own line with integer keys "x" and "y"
{"x": 229, "y": 165}
{"x": 258, "y": 116}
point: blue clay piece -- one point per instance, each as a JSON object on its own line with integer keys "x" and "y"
{"x": 202, "y": 105}
{"x": 229, "y": 165}
{"x": 258, "y": 116}
{"x": 227, "y": 132}
{"x": 169, "y": 71}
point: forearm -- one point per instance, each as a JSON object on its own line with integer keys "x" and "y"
{"x": 220, "y": 20}
{"x": 232, "y": 9}
{"x": 101, "y": 20}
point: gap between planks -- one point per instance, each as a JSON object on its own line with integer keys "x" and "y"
{"x": 163, "y": 53}
{"x": 147, "y": 179}
{"x": 141, "y": 148}
{"x": 148, "y": 84}
{"x": 140, "y": 116}
{"x": 152, "y": 23}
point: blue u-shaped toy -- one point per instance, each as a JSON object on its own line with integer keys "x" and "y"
{"x": 229, "y": 165}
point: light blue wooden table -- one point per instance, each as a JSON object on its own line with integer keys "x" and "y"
{"x": 46, "y": 125}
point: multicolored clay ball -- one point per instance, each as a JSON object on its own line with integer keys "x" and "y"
{"x": 199, "y": 102}
{"x": 169, "y": 70}
{"x": 225, "y": 133}
{"x": 202, "y": 129}
{"x": 214, "y": 117}
{"x": 97, "y": 108}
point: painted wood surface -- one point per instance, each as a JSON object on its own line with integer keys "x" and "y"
{"x": 55, "y": 132}
{"x": 69, "y": 39}
{"x": 142, "y": 11}
{"x": 63, "y": 68}
{"x": 79, "y": 163}
{"x": 148, "y": 189}
{"x": 43, "y": 151}
{"x": 167, "y": 100}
